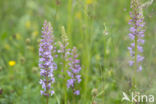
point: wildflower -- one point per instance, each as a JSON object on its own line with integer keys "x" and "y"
{"x": 12, "y": 63}
{"x": 18, "y": 36}
{"x": 46, "y": 61}
{"x": 7, "y": 46}
{"x": 89, "y": 2}
{"x": 64, "y": 46}
{"x": 27, "y": 24}
{"x": 77, "y": 92}
{"x": 73, "y": 72}
{"x": 136, "y": 35}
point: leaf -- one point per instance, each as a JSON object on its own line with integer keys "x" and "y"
{"x": 58, "y": 101}
{"x": 4, "y": 36}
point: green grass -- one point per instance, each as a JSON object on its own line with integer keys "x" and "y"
{"x": 100, "y": 32}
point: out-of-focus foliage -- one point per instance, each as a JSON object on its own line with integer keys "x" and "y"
{"x": 98, "y": 28}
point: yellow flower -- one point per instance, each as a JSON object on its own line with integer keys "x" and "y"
{"x": 18, "y": 36}
{"x": 78, "y": 15}
{"x": 35, "y": 33}
{"x": 12, "y": 63}
{"x": 7, "y": 47}
{"x": 27, "y": 24}
{"x": 89, "y": 2}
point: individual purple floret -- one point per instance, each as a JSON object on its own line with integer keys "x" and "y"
{"x": 136, "y": 35}
{"x": 77, "y": 92}
{"x": 46, "y": 61}
{"x": 74, "y": 71}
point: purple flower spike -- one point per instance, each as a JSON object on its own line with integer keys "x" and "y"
{"x": 136, "y": 35}
{"x": 46, "y": 61}
{"x": 74, "y": 71}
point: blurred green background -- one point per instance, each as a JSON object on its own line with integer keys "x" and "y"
{"x": 98, "y": 28}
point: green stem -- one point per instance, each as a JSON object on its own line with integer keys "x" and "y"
{"x": 74, "y": 101}
{"x": 47, "y": 88}
{"x": 69, "y": 25}
{"x": 86, "y": 53}
{"x": 64, "y": 75}
{"x": 136, "y": 38}
{"x": 47, "y": 99}
{"x": 65, "y": 96}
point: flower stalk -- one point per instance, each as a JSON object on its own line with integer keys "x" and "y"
{"x": 46, "y": 60}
